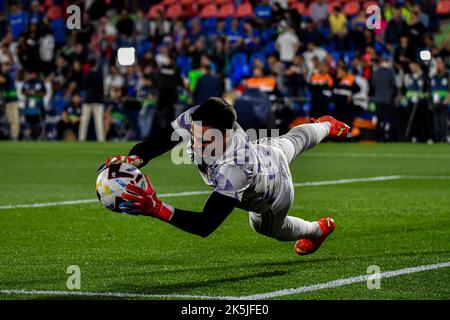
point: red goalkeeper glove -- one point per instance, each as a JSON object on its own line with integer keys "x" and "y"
{"x": 145, "y": 202}
{"x": 132, "y": 160}
{"x": 338, "y": 129}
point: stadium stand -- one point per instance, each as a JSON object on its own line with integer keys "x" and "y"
{"x": 284, "y": 43}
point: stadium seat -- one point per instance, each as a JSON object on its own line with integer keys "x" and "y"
{"x": 205, "y": 2}
{"x": 332, "y": 5}
{"x": 223, "y": 2}
{"x": 169, "y": 2}
{"x": 54, "y": 12}
{"x": 443, "y": 8}
{"x": 369, "y": 3}
{"x": 351, "y": 8}
{"x": 226, "y": 10}
{"x": 187, "y": 2}
{"x": 153, "y": 11}
{"x": 209, "y": 11}
{"x": 300, "y": 7}
{"x": 174, "y": 11}
{"x": 244, "y": 10}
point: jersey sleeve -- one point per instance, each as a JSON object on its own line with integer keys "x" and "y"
{"x": 183, "y": 123}
{"x": 232, "y": 181}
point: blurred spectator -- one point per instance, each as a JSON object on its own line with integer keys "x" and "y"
{"x": 384, "y": 87}
{"x": 68, "y": 126}
{"x": 159, "y": 27}
{"x": 294, "y": 78}
{"x": 440, "y": 91}
{"x": 147, "y": 93}
{"x": 338, "y": 22}
{"x": 207, "y": 86}
{"x": 396, "y": 28}
{"x": 125, "y": 26}
{"x": 287, "y": 43}
{"x": 319, "y": 11}
{"x": 18, "y": 20}
{"x": 416, "y": 31}
{"x": 114, "y": 82}
{"x": 260, "y": 81}
{"x": 321, "y": 86}
{"x": 264, "y": 10}
{"x": 9, "y": 94}
{"x": 404, "y": 54}
{"x": 46, "y": 51}
{"x": 131, "y": 105}
{"x": 167, "y": 81}
{"x": 34, "y": 91}
{"x": 93, "y": 102}
{"x": 419, "y": 115}
{"x": 311, "y": 52}
{"x": 343, "y": 93}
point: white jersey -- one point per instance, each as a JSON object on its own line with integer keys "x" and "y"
{"x": 251, "y": 172}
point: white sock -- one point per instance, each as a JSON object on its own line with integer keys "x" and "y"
{"x": 295, "y": 228}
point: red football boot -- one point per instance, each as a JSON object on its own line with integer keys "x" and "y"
{"x": 307, "y": 246}
{"x": 338, "y": 128}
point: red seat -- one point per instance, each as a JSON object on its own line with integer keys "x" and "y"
{"x": 187, "y": 2}
{"x": 369, "y": 3}
{"x": 225, "y": 11}
{"x": 333, "y": 5}
{"x": 351, "y": 8}
{"x": 153, "y": 11}
{"x": 169, "y": 2}
{"x": 443, "y": 7}
{"x": 244, "y": 10}
{"x": 223, "y": 2}
{"x": 174, "y": 11}
{"x": 209, "y": 11}
{"x": 54, "y": 12}
{"x": 204, "y": 2}
{"x": 300, "y": 7}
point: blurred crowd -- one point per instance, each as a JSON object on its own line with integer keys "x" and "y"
{"x": 60, "y": 84}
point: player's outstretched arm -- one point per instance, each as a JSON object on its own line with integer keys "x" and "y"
{"x": 144, "y": 151}
{"x": 145, "y": 202}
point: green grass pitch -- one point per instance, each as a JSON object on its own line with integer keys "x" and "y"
{"x": 393, "y": 224}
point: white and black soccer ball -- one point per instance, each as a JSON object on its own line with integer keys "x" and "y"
{"x": 112, "y": 181}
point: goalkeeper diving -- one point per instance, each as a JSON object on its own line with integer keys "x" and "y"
{"x": 250, "y": 175}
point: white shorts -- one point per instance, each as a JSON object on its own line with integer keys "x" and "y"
{"x": 271, "y": 220}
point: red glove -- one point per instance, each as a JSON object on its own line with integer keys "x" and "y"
{"x": 145, "y": 202}
{"x": 338, "y": 129}
{"x": 133, "y": 160}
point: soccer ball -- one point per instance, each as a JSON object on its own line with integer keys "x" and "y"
{"x": 112, "y": 181}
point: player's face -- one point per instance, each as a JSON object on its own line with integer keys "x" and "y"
{"x": 207, "y": 142}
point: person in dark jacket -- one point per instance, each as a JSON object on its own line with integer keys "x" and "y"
{"x": 167, "y": 81}
{"x": 93, "y": 102}
{"x": 343, "y": 92}
{"x": 440, "y": 90}
{"x": 384, "y": 88}
{"x": 207, "y": 86}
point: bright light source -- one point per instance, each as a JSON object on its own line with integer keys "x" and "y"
{"x": 425, "y": 55}
{"x": 126, "y": 56}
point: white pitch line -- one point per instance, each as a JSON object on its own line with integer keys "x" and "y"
{"x": 268, "y": 295}
{"x": 194, "y": 193}
{"x": 346, "y": 281}
{"x": 376, "y": 155}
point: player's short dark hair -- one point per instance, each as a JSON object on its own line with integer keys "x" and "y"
{"x": 216, "y": 113}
